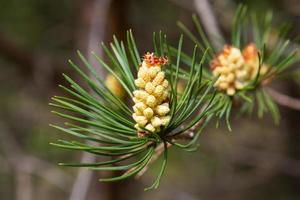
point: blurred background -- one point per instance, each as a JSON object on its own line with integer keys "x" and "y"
{"x": 258, "y": 160}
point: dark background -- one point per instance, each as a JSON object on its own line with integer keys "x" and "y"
{"x": 258, "y": 160}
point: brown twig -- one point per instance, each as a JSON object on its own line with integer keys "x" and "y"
{"x": 207, "y": 17}
{"x": 209, "y": 22}
{"x": 97, "y": 12}
{"x": 284, "y": 100}
{"x": 187, "y": 135}
{"x": 158, "y": 151}
{"x": 24, "y": 187}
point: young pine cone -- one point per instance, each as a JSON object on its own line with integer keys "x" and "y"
{"x": 151, "y": 99}
{"x": 235, "y": 69}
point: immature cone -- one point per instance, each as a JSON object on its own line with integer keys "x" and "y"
{"x": 114, "y": 86}
{"x": 236, "y": 69}
{"x": 151, "y": 99}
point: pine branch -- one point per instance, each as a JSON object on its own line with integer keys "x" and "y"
{"x": 132, "y": 138}
{"x": 252, "y": 58}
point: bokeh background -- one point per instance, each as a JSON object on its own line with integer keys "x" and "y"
{"x": 258, "y": 160}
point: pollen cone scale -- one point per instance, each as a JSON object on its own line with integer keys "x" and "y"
{"x": 151, "y": 100}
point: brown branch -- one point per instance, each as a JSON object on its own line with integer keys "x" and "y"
{"x": 209, "y": 22}
{"x": 187, "y": 135}
{"x": 158, "y": 151}
{"x": 284, "y": 100}
{"x": 207, "y": 17}
{"x": 97, "y": 12}
{"x": 24, "y": 187}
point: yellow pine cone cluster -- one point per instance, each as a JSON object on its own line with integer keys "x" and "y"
{"x": 236, "y": 68}
{"x": 151, "y": 106}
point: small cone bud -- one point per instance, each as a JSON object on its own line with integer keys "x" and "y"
{"x": 140, "y": 83}
{"x": 156, "y": 122}
{"x": 148, "y": 113}
{"x": 158, "y": 79}
{"x": 165, "y": 84}
{"x": 149, "y": 127}
{"x": 114, "y": 86}
{"x": 162, "y": 110}
{"x": 159, "y": 90}
{"x": 151, "y": 101}
{"x": 149, "y": 88}
{"x": 165, "y": 120}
